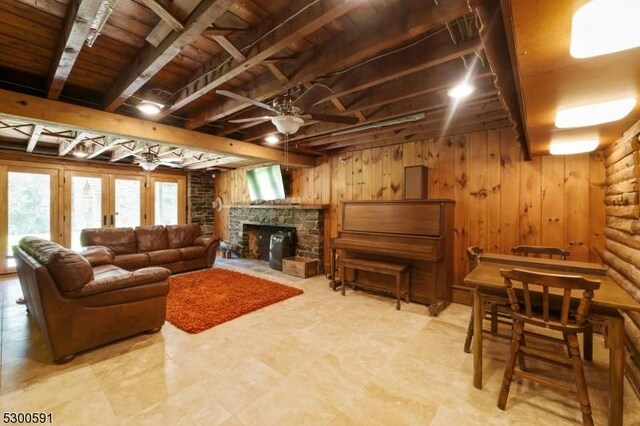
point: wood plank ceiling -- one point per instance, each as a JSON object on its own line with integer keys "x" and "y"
{"x": 384, "y": 61}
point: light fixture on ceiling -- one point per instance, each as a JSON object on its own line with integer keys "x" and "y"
{"x": 102, "y": 15}
{"x": 590, "y": 115}
{"x": 149, "y": 107}
{"x": 573, "y": 146}
{"x": 148, "y": 166}
{"x": 461, "y": 90}
{"x": 81, "y": 150}
{"x": 605, "y": 26}
{"x": 287, "y": 124}
{"x": 271, "y": 139}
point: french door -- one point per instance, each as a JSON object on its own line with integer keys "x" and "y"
{"x": 166, "y": 197}
{"x": 28, "y": 206}
{"x": 95, "y": 200}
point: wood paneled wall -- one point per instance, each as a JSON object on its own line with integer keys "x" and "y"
{"x": 622, "y": 255}
{"x": 501, "y": 201}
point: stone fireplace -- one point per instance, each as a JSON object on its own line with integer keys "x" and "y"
{"x": 246, "y": 222}
{"x": 258, "y": 238}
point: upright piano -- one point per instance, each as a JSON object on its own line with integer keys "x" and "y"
{"x": 414, "y": 232}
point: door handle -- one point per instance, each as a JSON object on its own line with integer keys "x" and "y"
{"x": 104, "y": 220}
{"x": 112, "y": 221}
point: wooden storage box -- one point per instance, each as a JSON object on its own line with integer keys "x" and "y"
{"x": 302, "y": 267}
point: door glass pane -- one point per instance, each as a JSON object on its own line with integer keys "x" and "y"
{"x": 86, "y": 206}
{"x": 29, "y": 207}
{"x": 166, "y": 203}
{"x": 127, "y": 203}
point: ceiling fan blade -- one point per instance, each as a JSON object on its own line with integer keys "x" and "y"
{"x": 344, "y": 119}
{"x": 245, "y": 99}
{"x": 247, "y": 120}
{"x": 315, "y": 93}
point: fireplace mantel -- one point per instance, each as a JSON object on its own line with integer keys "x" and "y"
{"x": 281, "y": 206}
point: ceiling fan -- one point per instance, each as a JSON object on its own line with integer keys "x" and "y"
{"x": 150, "y": 160}
{"x": 289, "y": 112}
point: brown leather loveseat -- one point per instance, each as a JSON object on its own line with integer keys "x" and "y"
{"x": 80, "y": 302}
{"x": 178, "y": 248}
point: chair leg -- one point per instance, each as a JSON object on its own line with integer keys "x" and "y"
{"x": 588, "y": 345}
{"x": 343, "y": 278}
{"x": 467, "y": 341}
{"x": 521, "y": 362}
{"x": 511, "y": 364}
{"x": 581, "y": 382}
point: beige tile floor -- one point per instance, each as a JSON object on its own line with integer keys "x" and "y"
{"x": 318, "y": 358}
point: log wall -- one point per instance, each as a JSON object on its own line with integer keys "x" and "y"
{"x": 622, "y": 233}
{"x": 501, "y": 201}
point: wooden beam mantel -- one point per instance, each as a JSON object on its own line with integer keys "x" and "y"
{"x": 21, "y": 107}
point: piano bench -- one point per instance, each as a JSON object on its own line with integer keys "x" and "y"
{"x": 398, "y": 270}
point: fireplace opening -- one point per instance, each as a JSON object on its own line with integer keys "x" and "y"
{"x": 258, "y": 238}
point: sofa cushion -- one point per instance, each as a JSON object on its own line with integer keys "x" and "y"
{"x": 195, "y": 252}
{"x": 70, "y": 271}
{"x": 97, "y": 255}
{"x": 150, "y": 238}
{"x": 183, "y": 235}
{"x": 132, "y": 261}
{"x": 118, "y": 240}
{"x": 160, "y": 257}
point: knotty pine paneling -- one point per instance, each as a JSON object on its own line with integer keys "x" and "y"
{"x": 501, "y": 201}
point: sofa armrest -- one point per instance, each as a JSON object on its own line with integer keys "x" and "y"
{"x": 125, "y": 280}
{"x": 206, "y": 240}
{"x": 97, "y": 255}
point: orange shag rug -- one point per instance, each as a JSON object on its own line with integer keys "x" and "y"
{"x": 201, "y": 300}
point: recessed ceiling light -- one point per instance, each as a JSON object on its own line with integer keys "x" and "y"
{"x": 590, "y": 115}
{"x": 567, "y": 147}
{"x": 462, "y": 90}
{"x": 150, "y": 108}
{"x": 605, "y": 26}
{"x": 271, "y": 139}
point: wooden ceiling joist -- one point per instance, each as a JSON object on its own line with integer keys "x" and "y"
{"x": 35, "y": 135}
{"x": 21, "y": 107}
{"x": 298, "y": 26}
{"x": 66, "y": 146}
{"x": 151, "y": 59}
{"x": 121, "y": 152}
{"x": 344, "y": 49}
{"x": 210, "y": 163}
{"x": 179, "y": 10}
{"x": 77, "y": 24}
{"x": 164, "y": 14}
{"x": 109, "y": 143}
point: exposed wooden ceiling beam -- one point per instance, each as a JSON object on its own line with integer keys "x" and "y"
{"x": 400, "y": 22}
{"x": 77, "y": 23}
{"x": 223, "y": 31}
{"x": 180, "y": 10}
{"x": 308, "y": 20}
{"x": 151, "y": 59}
{"x": 109, "y": 142}
{"x": 35, "y": 135}
{"x": 66, "y": 146}
{"x": 164, "y": 14}
{"x": 492, "y": 33}
{"x": 211, "y": 163}
{"x": 120, "y": 152}
{"x": 21, "y": 107}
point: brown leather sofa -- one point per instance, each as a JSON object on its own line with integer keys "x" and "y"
{"x": 82, "y": 302}
{"x": 178, "y": 248}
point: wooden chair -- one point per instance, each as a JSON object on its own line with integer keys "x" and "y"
{"x": 539, "y": 251}
{"x": 493, "y": 303}
{"x": 568, "y": 323}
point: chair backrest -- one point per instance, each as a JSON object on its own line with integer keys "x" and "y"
{"x": 547, "y": 281}
{"x": 473, "y": 253}
{"x": 539, "y": 251}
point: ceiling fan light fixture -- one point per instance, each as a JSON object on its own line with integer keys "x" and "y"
{"x": 148, "y": 166}
{"x": 601, "y": 27}
{"x": 81, "y": 150}
{"x": 287, "y": 124}
{"x": 461, "y": 90}
{"x": 149, "y": 107}
{"x": 272, "y": 139}
{"x": 593, "y": 114}
{"x": 575, "y": 146}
